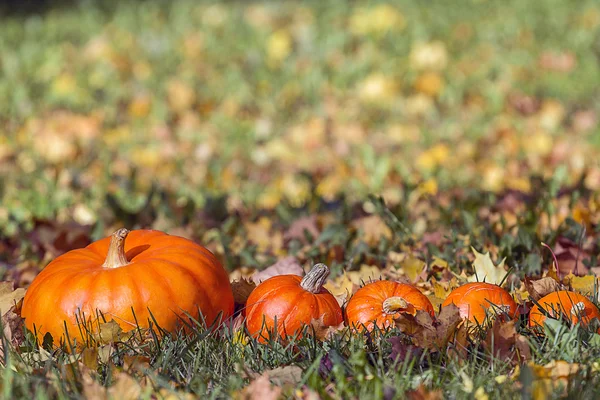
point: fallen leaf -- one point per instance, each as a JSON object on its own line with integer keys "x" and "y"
{"x": 108, "y": 332}
{"x": 347, "y": 283}
{"x": 402, "y": 351}
{"x": 125, "y": 388}
{"x": 9, "y": 296}
{"x": 300, "y": 228}
{"x": 14, "y": 331}
{"x": 371, "y": 229}
{"x": 241, "y": 290}
{"x": 503, "y": 342}
{"x": 285, "y": 266}
{"x": 541, "y": 287}
{"x": 322, "y": 331}
{"x": 429, "y": 333}
{"x": 582, "y": 284}
{"x": 261, "y": 389}
{"x": 486, "y": 271}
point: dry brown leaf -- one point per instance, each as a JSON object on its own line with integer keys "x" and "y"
{"x": 541, "y": 287}
{"x": 241, "y": 290}
{"x": 108, "y": 332}
{"x": 285, "y": 266}
{"x": 503, "y": 342}
{"x": 570, "y": 257}
{"x": 429, "y": 333}
{"x": 322, "y": 331}
{"x": 9, "y": 296}
{"x": 125, "y": 388}
{"x": 13, "y": 330}
{"x": 372, "y": 229}
{"x": 300, "y": 227}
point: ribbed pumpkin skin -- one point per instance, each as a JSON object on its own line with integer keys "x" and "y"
{"x": 474, "y": 299}
{"x": 282, "y": 297}
{"x": 169, "y": 275}
{"x": 365, "y": 308}
{"x": 563, "y": 302}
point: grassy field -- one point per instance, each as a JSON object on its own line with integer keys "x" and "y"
{"x": 386, "y": 139}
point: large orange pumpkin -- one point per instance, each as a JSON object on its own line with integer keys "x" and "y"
{"x": 478, "y": 300}
{"x": 378, "y": 303}
{"x": 149, "y": 273}
{"x": 571, "y": 305}
{"x": 284, "y": 304}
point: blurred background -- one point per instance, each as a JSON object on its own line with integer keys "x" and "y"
{"x": 162, "y": 114}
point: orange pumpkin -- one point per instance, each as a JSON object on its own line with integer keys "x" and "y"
{"x": 283, "y": 304}
{"x": 150, "y": 272}
{"x": 571, "y": 305}
{"x": 478, "y": 300}
{"x": 377, "y": 304}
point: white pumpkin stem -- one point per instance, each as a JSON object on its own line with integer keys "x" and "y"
{"x": 316, "y": 277}
{"x": 392, "y": 305}
{"x": 577, "y": 308}
{"x": 116, "y": 257}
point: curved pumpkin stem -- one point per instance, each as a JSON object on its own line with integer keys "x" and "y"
{"x": 394, "y": 304}
{"x": 116, "y": 257}
{"x": 314, "y": 280}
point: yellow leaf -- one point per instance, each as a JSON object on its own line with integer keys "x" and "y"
{"x": 376, "y": 20}
{"x": 429, "y": 56}
{"x": 377, "y": 88}
{"x": 429, "y": 83}
{"x": 485, "y": 270}
{"x": 582, "y": 284}
{"x": 344, "y": 284}
{"x": 412, "y": 267}
{"x": 480, "y": 394}
{"x": 279, "y": 46}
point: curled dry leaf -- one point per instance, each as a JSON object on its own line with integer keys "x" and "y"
{"x": 285, "y": 266}
{"x": 108, "y": 332}
{"x": 13, "y": 330}
{"x": 429, "y": 333}
{"x": 541, "y": 287}
{"x": 322, "y": 331}
{"x": 9, "y": 296}
{"x": 241, "y": 289}
{"x": 502, "y": 341}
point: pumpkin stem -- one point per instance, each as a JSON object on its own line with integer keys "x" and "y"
{"x": 116, "y": 250}
{"x": 392, "y": 305}
{"x": 578, "y": 308}
{"x": 314, "y": 280}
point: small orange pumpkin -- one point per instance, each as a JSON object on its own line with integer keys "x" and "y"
{"x": 571, "y": 305}
{"x": 478, "y": 300}
{"x": 150, "y": 272}
{"x": 377, "y": 304}
{"x": 283, "y": 304}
